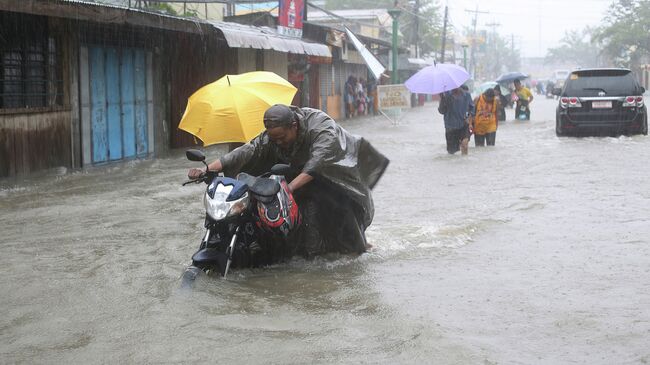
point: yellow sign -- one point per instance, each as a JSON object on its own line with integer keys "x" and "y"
{"x": 393, "y": 96}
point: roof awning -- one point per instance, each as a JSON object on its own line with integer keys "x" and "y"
{"x": 246, "y": 36}
{"x": 373, "y": 63}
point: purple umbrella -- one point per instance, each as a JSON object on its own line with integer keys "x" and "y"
{"x": 437, "y": 79}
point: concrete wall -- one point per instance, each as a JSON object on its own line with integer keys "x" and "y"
{"x": 272, "y": 61}
{"x": 246, "y": 60}
{"x": 276, "y": 62}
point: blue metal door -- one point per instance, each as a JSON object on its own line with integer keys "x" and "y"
{"x": 141, "y": 102}
{"x": 118, "y": 101}
{"x": 128, "y": 101}
{"x": 98, "y": 104}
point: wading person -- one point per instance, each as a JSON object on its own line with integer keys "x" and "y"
{"x": 502, "y": 102}
{"x": 524, "y": 98}
{"x": 456, "y": 106}
{"x": 335, "y": 172}
{"x": 350, "y": 96}
{"x": 484, "y": 122}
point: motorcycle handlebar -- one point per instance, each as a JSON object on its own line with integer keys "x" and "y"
{"x": 195, "y": 181}
{"x": 205, "y": 178}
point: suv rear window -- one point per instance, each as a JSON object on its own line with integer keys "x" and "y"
{"x": 592, "y": 82}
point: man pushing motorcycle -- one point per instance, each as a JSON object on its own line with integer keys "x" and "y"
{"x": 335, "y": 172}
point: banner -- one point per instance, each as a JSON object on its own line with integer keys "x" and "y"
{"x": 290, "y": 16}
{"x": 393, "y": 96}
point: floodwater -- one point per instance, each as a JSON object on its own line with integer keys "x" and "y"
{"x": 536, "y": 251}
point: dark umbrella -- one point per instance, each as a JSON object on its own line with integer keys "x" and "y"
{"x": 511, "y": 76}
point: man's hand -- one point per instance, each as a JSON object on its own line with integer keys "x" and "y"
{"x": 195, "y": 173}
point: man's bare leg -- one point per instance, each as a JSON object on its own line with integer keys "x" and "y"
{"x": 463, "y": 146}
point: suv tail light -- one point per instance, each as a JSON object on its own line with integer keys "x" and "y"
{"x": 564, "y": 102}
{"x": 571, "y": 102}
{"x": 632, "y": 101}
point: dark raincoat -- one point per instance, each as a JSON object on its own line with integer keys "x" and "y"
{"x": 338, "y": 202}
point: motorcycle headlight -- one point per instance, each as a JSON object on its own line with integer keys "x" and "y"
{"x": 238, "y": 206}
{"x": 218, "y": 208}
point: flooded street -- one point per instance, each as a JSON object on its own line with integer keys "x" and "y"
{"x": 532, "y": 252}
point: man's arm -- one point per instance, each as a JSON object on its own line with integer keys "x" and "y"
{"x": 233, "y": 160}
{"x": 301, "y": 180}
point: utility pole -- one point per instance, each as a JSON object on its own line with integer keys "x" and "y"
{"x": 472, "y": 56}
{"x": 394, "y": 13}
{"x": 417, "y": 28}
{"x": 444, "y": 36}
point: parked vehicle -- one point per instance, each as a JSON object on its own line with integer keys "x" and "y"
{"x": 248, "y": 220}
{"x": 601, "y": 101}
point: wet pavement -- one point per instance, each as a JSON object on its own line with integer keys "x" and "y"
{"x": 532, "y": 252}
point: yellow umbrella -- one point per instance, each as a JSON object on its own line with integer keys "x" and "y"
{"x": 231, "y": 109}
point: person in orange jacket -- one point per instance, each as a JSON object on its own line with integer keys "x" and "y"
{"x": 485, "y": 122}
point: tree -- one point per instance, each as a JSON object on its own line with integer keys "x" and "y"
{"x": 494, "y": 54}
{"x": 423, "y": 24}
{"x": 577, "y": 47}
{"x": 625, "y": 37}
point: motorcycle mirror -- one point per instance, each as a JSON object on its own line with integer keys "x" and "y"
{"x": 280, "y": 169}
{"x": 195, "y": 155}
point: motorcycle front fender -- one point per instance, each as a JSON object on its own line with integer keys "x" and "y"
{"x": 210, "y": 258}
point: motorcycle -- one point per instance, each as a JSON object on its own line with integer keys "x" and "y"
{"x": 522, "y": 111}
{"x": 248, "y": 220}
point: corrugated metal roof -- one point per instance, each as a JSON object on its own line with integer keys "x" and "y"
{"x": 237, "y": 35}
{"x": 246, "y": 36}
{"x": 123, "y": 5}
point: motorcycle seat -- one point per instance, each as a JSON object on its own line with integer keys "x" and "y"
{"x": 260, "y": 186}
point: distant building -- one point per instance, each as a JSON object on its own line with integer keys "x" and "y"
{"x": 374, "y": 23}
{"x": 539, "y": 68}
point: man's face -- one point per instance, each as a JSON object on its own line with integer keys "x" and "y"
{"x": 284, "y": 137}
{"x": 517, "y": 85}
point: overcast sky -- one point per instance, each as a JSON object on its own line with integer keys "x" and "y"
{"x": 524, "y": 17}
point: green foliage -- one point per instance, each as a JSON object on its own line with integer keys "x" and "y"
{"x": 576, "y": 47}
{"x": 497, "y": 56}
{"x": 626, "y": 38}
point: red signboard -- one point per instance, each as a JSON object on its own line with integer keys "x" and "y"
{"x": 290, "y": 17}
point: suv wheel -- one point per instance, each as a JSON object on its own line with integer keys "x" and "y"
{"x": 558, "y": 129}
{"x": 644, "y": 127}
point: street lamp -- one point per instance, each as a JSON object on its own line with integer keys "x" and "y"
{"x": 394, "y": 13}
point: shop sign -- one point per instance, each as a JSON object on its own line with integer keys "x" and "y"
{"x": 393, "y": 96}
{"x": 290, "y": 17}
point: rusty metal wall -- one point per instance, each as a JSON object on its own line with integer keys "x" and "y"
{"x": 194, "y": 61}
{"x": 34, "y": 141}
